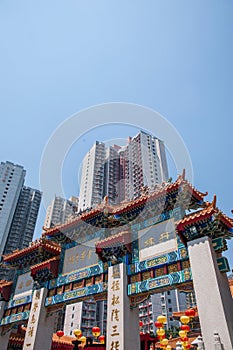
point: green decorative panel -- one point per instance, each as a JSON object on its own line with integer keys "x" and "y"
{"x": 160, "y": 282}
{"x": 76, "y": 294}
{"x": 15, "y": 318}
{"x": 219, "y": 244}
{"x": 223, "y": 264}
{"x": 20, "y": 301}
{"x": 77, "y": 275}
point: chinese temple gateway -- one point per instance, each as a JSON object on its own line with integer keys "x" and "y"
{"x": 168, "y": 238}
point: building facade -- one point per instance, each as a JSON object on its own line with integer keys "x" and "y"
{"x": 85, "y": 315}
{"x": 92, "y": 177}
{"x": 145, "y": 164}
{"x": 18, "y": 211}
{"x": 59, "y": 210}
{"x": 161, "y": 304}
{"x": 120, "y": 172}
{"x": 24, "y": 220}
{"x": 11, "y": 182}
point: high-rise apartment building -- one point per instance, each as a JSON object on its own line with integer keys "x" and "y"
{"x": 60, "y": 210}
{"x": 85, "y": 315}
{"x": 11, "y": 183}
{"x": 161, "y": 304}
{"x": 24, "y": 220}
{"x": 92, "y": 177}
{"x": 19, "y": 208}
{"x": 145, "y": 164}
{"x": 121, "y": 172}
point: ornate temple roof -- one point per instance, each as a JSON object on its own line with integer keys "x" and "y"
{"x": 46, "y": 269}
{"x": 148, "y": 195}
{"x": 209, "y": 221}
{"x": 42, "y": 264}
{"x": 119, "y": 238}
{"x": 5, "y": 283}
{"x": 114, "y": 246}
{"x": 37, "y": 246}
{"x": 205, "y": 213}
{"x": 162, "y": 191}
{"x": 5, "y": 289}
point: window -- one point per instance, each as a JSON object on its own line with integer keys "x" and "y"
{"x": 170, "y": 309}
{"x": 169, "y": 301}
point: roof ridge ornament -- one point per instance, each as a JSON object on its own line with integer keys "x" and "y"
{"x": 183, "y": 174}
{"x": 214, "y": 201}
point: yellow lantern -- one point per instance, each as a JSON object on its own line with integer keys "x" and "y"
{"x": 164, "y": 342}
{"x": 169, "y": 347}
{"x": 182, "y": 334}
{"x": 160, "y": 332}
{"x": 162, "y": 319}
{"x": 82, "y": 339}
{"x": 184, "y": 319}
{"x": 77, "y": 333}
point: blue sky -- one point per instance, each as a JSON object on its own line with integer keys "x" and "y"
{"x": 59, "y": 57}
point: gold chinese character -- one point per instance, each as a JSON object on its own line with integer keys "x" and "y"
{"x": 114, "y": 331}
{"x": 115, "y": 345}
{"x": 37, "y": 294}
{"x": 164, "y": 236}
{"x": 33, "y": 320}
{"x": 115, "y": 315}
{"x": 30, "y": 331}
{"x": 35, "y": 307}
{"x": 149, "y": 242}
{"x": 28, "y": 283}
{"x": 115, "y": 300}
{"x": 89, "y": 254}
{"x": 71, "y": 259}
{"x": 82, "y": 257}
{"x": 115, "y": 286}
{"x": 76, "y": 257}
{"x": 116, "y": 272}
{"x": 21, "y": 285}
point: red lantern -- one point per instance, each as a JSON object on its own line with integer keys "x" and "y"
{"x": 185, "y": 327}
{"x": 188, "y": 346}
{"x": 158, "y": 324}
{"x": 102, "y": 339}
{"x": 190, "y": 312}
{"x": 96, "y": 331}
{"x": 60, "y": 334}
{"x": 140, "y": 324}
{"x": 185, "y": 339}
